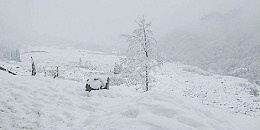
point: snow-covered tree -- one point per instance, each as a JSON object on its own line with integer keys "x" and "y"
{"x": 141, "y": 56}
{"x": 117, "y": 68}
{"x": 15, "y": 55}
{"x": 18, "y": 57}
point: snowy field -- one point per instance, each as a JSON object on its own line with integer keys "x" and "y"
{"x": 230, "y": 93}
{"x": 182, "y": 97}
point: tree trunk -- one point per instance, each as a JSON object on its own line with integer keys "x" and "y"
{"x": 146, "y": 78}
{"x": 146, "y": 55}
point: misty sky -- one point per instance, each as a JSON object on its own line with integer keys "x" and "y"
{"x": 102, "y": 21}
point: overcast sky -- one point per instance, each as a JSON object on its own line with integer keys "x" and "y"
{"x": 101, "y": 22}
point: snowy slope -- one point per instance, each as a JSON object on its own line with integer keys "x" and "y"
{"x": 74, "y": 64}
{"x": 229, "y": 93}
{"x": 45, "y": 103}
{"x": 182, "y": 97}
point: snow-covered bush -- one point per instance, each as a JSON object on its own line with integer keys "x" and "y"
{"x": 117, "y": 79}
{"x": 135, "y": 79}
{"x": 117, "y": 68}
{"x": 15, "y": 55}
{"x": 254, "y": 91}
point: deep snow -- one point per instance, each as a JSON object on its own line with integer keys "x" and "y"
{"x": 182, "y": 97}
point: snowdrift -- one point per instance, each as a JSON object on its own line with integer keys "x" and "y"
{"x": 45, "y": 103}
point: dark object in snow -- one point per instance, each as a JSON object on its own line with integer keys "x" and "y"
{"x": 3, "y": 69}
{"x": 57, "y": 73}
{"x": 33, "y": 67}
{"x": 97, "y": 83}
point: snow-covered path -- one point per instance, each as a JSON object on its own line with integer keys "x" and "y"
{"x": 45, "y": 103}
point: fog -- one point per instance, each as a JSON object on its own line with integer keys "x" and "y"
{"x": 100, "y": 22}
{"x": 225, "y": 43}
{"x": 180, "y": 27}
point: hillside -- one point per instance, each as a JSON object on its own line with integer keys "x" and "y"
{"x": 181, "y": 96}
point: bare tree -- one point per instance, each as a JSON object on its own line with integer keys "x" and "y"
{"x": 142, "y": 53}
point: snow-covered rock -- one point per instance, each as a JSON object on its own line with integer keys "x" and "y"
{"x": 97, "y": 82}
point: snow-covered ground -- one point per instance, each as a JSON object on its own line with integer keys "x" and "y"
{"x": 183, "y": 97}
{"x": 230, "y": 93}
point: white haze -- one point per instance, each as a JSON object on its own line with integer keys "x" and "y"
{"x": 98, "y": 24}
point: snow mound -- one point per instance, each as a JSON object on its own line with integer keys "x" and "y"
{"x": 97, "y": 81}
